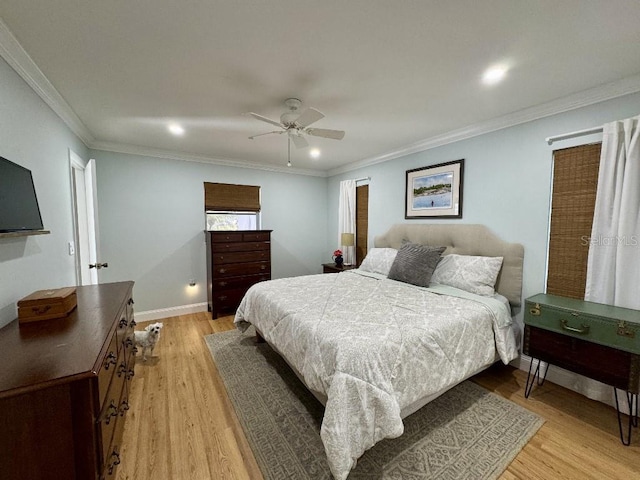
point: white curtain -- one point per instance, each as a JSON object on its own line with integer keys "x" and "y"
{"x": 347, "y": 218}
{"x": 613, "y": 266}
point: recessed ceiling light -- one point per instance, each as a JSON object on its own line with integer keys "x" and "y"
{"x": 494, "y": 74}
{"x": 315, "y": 153}
{"x": 176, "y": 129}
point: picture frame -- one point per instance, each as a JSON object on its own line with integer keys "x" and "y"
{"x": 434, "y": 191}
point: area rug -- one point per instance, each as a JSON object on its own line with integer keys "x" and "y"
{"x": 467, "y": 433}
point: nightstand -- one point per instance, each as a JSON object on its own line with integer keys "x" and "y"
{"x": 332, "y": 268}
{"x": 598, "y": 341}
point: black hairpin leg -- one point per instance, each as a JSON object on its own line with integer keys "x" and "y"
{"x": 531, "y": 379}
{"x": 632, "y": 403}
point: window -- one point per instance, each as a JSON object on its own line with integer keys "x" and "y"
{"x": 575, "y": 181}
{"x": 231, "y": 207}
{"x": 233, "y": 220}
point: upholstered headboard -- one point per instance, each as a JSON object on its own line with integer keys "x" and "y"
{"x": 465, "y": 240}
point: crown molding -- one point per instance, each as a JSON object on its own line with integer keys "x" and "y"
{"x": 585, "y": 98}
{"x": 23, "y": 64}
{"x": 171, "y": 155}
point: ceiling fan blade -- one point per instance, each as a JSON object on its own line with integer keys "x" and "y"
{"x": 268, "y": 133}
{"x": 265, "y": 119}
{"x": 309, "y": 116}
{"x": 298, "y": 141}
{"x": 323, "y": 132}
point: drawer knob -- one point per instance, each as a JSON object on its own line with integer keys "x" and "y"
{"x": 535, "y": 311}
{"x": 223, "y": 297}
{"x": 222, "y": 284}
{"x": 112, "y": 411}
{"x": 132, "y": 323}
{"x": 122, "y": 369}
{"x": 130, "y": 374}
{"x": 124, "y": 406}
{"x": 263, "y": 267}
{"x": 583, "y": 330}
{"x": 115, "y": 461}
{"x": 110, "y": 360}
{"x": 128, "y": 343}
{"x": 222, "y": 270}
{"x": 123, "y": 323}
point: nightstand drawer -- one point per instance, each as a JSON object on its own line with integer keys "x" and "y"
{"x": 602, "y": 324}
{"x": 608, "y": 365}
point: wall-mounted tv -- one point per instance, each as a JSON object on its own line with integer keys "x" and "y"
{"x": 19, "y": 210}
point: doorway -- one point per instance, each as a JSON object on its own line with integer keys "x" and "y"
{"x": 83, "y": 195}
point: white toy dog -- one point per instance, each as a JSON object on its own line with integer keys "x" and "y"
{"x": 148, "y": 338}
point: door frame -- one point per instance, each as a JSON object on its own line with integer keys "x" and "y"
{"x": 84, "y": 209}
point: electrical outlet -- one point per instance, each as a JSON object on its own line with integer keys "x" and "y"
{"x": 72, "y": 248}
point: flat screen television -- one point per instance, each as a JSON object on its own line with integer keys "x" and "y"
{"x": 19, "y": 210}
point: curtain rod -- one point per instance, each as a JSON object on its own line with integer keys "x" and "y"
{"x": 579, "y": 133}
{"x": 363, "y": 179}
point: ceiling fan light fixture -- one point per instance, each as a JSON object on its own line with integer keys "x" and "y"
{"x": 314, "y": 153}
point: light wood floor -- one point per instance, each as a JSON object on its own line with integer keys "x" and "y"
{"x": 181, "y": 424}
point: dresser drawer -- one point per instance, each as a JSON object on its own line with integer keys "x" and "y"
{"x": 256, "y": 237}
{"x": 241, "y": 257}
{"x": 586, "y": 323}
{"x": 239, "y": 247}
{"x": 228, "y": 299}
{"x": 608, "y": 365}
{"x": 238, "y": 282}
{"x": 234, "y": 270}
{"x": 225, "y": 237}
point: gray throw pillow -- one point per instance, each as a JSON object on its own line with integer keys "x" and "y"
{"x": 415, "y": 264}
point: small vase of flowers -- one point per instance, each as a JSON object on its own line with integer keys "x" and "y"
{"x": 337, "y": 257}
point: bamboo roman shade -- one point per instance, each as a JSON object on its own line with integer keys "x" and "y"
{"x": 228, "y": 197}
{"x": 575, "y": 181}
{"x": 362, "y": 222}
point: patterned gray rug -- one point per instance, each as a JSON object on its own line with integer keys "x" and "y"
{"x": 467, "y": 433}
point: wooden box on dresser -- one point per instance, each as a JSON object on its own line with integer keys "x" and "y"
{"x": 235, "y": 261}
{"x": 64, "y": 386}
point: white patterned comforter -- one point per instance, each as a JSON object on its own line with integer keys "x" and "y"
{"x": 374, "y": 346}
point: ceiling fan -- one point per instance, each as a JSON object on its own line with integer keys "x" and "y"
{"x": 296, "y": 124}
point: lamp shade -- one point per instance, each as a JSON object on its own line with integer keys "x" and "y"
{"x": 347, "y": 239}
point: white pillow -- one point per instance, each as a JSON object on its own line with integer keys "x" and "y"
{"x": 473, "y": 274}
{"x": 379, "y": 260}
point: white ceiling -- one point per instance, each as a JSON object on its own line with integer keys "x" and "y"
{"x": 395, "y": 75}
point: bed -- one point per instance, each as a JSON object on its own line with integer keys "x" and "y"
{"x": 374, "y": 349}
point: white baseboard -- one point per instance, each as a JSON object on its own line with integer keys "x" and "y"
{"x": 170, "y": 312}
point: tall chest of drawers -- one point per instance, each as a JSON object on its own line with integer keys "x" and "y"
{"x": 64, "y": 388}
{"x": 236, "y": 260}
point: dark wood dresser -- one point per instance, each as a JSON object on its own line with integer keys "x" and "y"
{"x": 235, "y": 261}
{"x": 64, "y": 386}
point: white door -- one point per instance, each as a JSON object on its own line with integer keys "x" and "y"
{"x": 84, "y": 219}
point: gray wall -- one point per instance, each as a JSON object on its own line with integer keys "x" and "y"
{"x": 151, "y": 215}
{"x": 33, "y": 136}
{"x": 507, "y": 181}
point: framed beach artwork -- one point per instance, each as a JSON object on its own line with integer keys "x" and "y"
{"x": 435, "y": 191}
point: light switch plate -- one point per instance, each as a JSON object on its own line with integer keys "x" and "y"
{"x": 72, "y": 248}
